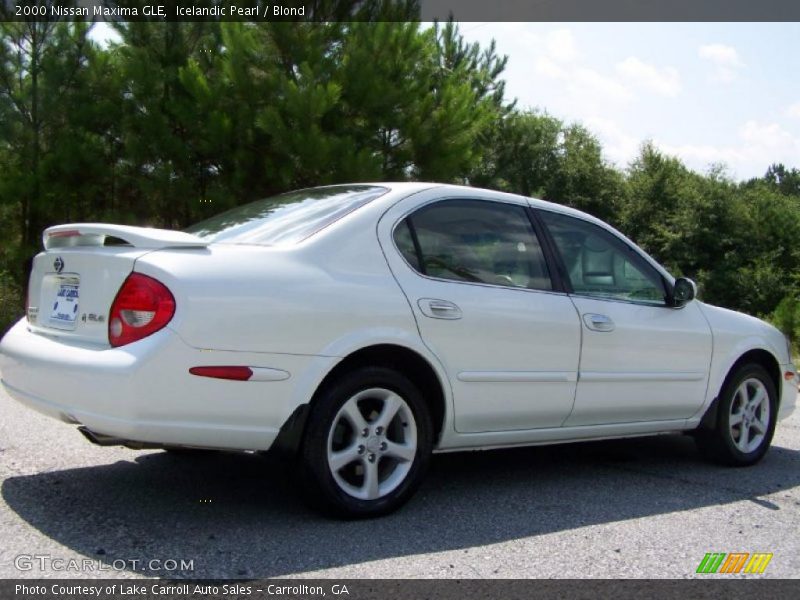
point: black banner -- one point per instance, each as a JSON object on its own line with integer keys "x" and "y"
{"x": 394, "y": 589}
{"x": 401, "y": 10}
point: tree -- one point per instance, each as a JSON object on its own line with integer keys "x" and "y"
{"x": 522, "y": 154}
{"x": 581, "y": 177}
{"x": 787, "y": 318}
{"x": 535, "y": 154}
{"x": 323, "y": 103}
{"x": 786, "y": 181}
{"x": 40, "y": 65}
{"x": 46, "y": 144}
{"x": 168, "y": 162}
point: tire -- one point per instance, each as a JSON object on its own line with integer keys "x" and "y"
{"x": 748, "y": 406}
{"x": 367, "y": 444}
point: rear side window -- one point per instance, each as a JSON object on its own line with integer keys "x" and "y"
{"x": 474, "y": 241}
{"x": 405, "y": 243}
{"x": 288, "y": 218}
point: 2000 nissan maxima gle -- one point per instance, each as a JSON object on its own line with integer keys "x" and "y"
{"x": 365, "y": 326}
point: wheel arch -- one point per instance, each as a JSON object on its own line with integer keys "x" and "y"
{"x": 405, "y": 360}
{"x": 758, "y": 356}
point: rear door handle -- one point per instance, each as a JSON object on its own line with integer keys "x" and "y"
{"x": 439, "y": 309}
{"x": 597, "y": 322}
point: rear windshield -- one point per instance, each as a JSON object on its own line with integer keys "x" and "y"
{"x": 288, "y": 218}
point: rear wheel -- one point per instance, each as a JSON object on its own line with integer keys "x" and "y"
{"x": 367, "y": 443}
{"x": 745, "y": 418}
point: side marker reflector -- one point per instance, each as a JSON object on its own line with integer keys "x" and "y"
{"x": 234, "y": 373}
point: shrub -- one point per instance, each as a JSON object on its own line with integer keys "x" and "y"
{"x": 11, "y": 301}
{"x": 787, "y": 318}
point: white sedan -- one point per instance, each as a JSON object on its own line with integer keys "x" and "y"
{"x": 362, "y": 327}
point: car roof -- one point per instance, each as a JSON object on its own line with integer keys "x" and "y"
{"x": 412, "y": 187}
{"x": 418, "y": 186}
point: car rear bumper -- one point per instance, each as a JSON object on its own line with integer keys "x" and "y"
{"x": 144, "y": 392}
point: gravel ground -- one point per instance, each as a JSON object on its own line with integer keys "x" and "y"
{"x": 642, "y": 508}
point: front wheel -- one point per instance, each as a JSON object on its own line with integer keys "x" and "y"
{"x": 746, "y": 416}
{"x": 367, "y": 443}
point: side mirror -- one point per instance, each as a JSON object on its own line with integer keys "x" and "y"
{"x": 683, "y": 292}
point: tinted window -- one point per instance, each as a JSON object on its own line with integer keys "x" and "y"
{"x": 405, "y": 243}
{"x": 287, "y": 218}
{"x": 600, "y": 264}
{"x": 476, "y": 241}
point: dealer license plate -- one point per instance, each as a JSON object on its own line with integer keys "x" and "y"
{"x": 65, "y": 304}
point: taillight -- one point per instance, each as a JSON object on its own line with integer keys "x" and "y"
{"x": 142, "y": 307}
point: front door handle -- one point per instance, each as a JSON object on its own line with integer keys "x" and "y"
{"x": 597, "y": 322}
{"x": 439, "y": 309}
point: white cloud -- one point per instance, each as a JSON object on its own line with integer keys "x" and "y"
{"x": 699, "y": 156}
{"x": 770, "y": 136}
{"x": 664, "y": 81}
{"x": 724, "y": 75}
{"x": 545, "y": 65}
{"x": 793, "y": 110}
{"x": 618, "y": 145}
{"x": 560, "y": 45}
{"x": 560, "y": 58}
{"x": 760, "y": 144}
{"x": 589, "y": 82}
{"x": 725, "y": 59}
{"x": 721, "y": 54}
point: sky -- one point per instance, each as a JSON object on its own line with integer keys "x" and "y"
{"x": 708, "y": 93}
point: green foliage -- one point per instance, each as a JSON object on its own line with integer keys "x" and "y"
{"x": 787, "y": 318}
{"x": 42, "y": 69}
{"x": 786, "y": 181}
{"x": 535, "y": 154}
{"x": 739, "y": 241}
{"x": 523, "y": 154}
{"x": 11, "y": 302}
{"x": 582, "y": 179}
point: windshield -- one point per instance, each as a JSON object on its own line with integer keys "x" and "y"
{"x": 288, "y": 218}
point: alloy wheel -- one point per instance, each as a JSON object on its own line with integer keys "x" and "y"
{"x": 749, "y": 415}
{"x": 372, "y": 443}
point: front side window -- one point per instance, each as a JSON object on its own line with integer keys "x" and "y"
{"x": 599, "y": 264}
{"x": 288, "y": 218}
{"x": 474, "y": 241}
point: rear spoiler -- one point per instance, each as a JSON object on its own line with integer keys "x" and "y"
{"x": 95, "y": 234}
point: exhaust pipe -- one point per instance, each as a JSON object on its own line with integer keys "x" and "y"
{"x": 100, "y": 439}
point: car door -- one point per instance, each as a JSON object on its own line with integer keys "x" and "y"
{"x": 477, "y": 281}
{"x": 641, "y": 359}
